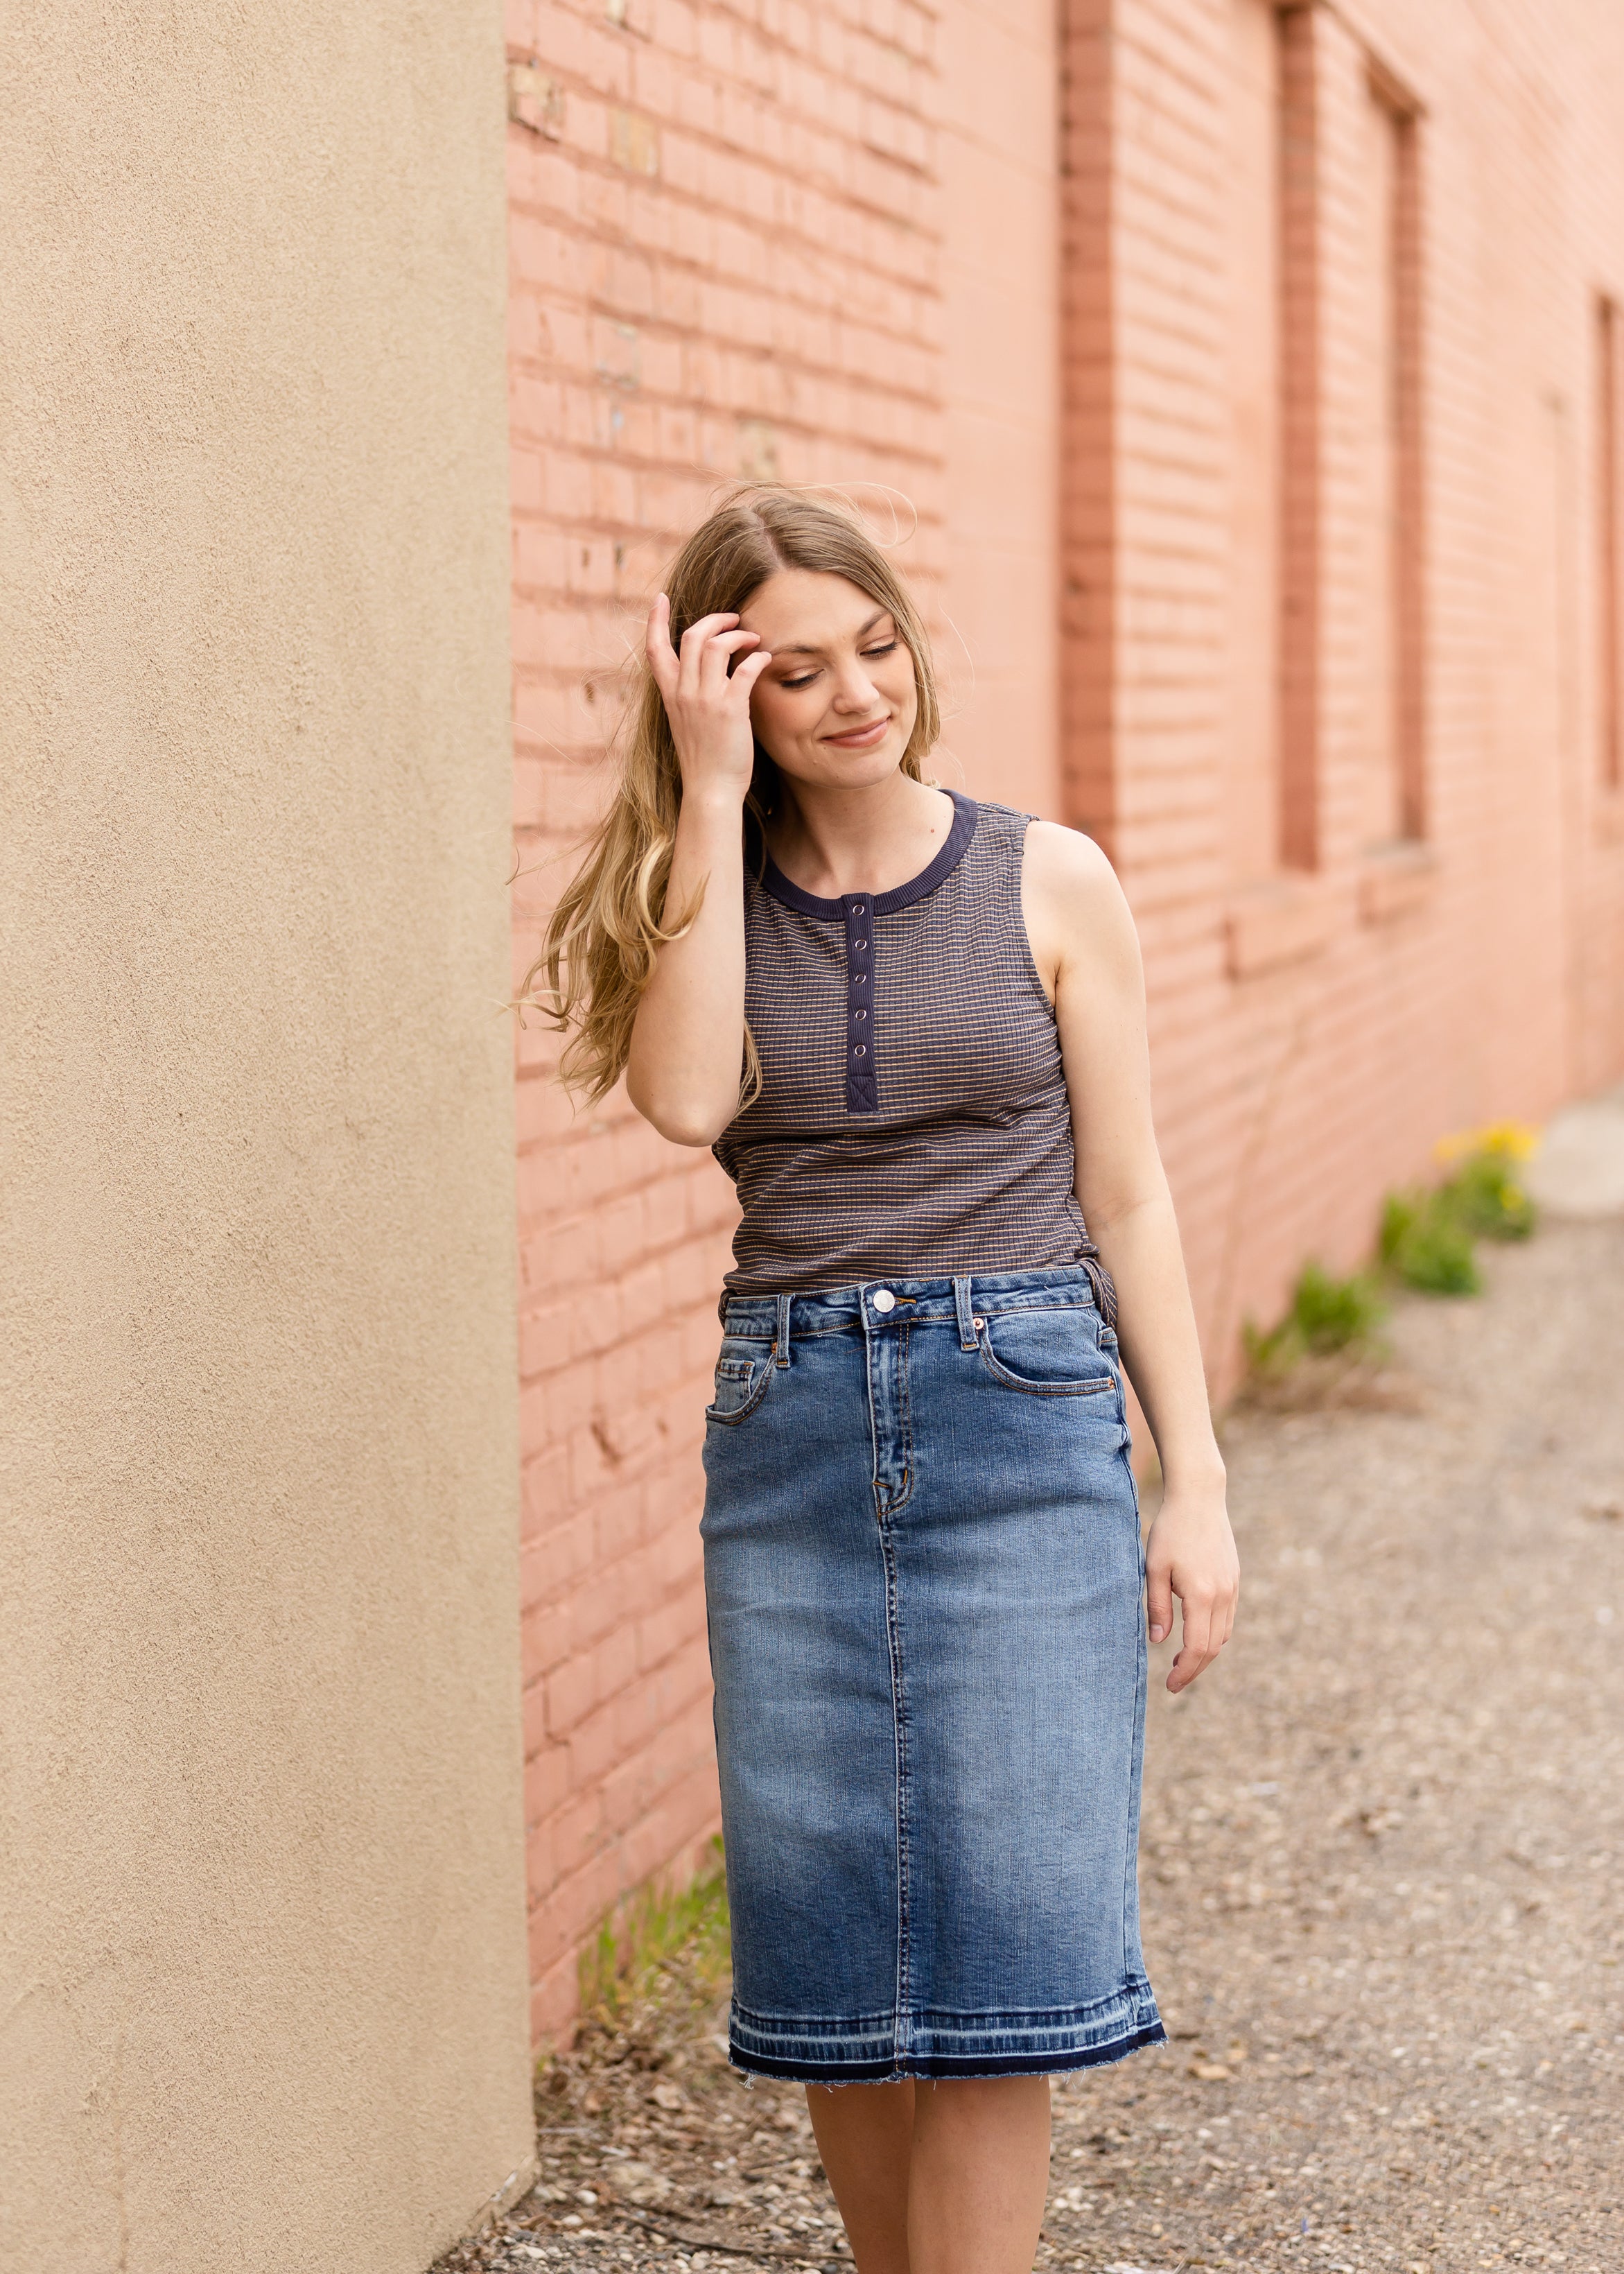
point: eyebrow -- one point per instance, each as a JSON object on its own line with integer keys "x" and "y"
{"x": 862, "y": 631}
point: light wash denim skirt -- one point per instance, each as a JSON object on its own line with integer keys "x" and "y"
{"x": 924, "y": 1579}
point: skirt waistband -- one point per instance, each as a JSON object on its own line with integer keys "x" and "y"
{"x": 877, "y": 1303}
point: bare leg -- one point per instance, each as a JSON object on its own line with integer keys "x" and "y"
{"x": 979, "y": 2175}
{"x": 865, "y": 2137}
{"x": 938, "y": 2178}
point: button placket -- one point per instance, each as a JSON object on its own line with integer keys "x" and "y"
{"x": 862, "y": 1089}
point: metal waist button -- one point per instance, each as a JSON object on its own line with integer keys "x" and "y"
{"x": 884, "y": 1299}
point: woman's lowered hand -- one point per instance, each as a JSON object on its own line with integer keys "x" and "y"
{"x": 1191, "y": 1554}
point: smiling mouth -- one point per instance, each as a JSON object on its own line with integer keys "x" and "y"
{"x": 858, "y": 738}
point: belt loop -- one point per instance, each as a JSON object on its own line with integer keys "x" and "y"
{"x": 1104, "y": 1290}
{"x": 782, "y": 1344}
{"x": 961, "y": 1304}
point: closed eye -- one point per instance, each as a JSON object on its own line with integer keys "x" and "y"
{"x": 793, "y": 685}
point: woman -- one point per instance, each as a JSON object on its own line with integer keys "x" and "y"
{"x": 923, "y": 1566}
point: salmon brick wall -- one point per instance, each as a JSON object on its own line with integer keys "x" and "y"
{"x": 996, "y": 260}
{"x": 1314, "y": 1030}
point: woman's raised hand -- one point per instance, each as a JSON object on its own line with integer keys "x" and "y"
{"x": 709, "y": 711}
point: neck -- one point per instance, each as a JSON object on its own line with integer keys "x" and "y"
{"x": 832, "y": 840}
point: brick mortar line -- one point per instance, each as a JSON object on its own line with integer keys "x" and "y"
{"x": 777, "y": 170}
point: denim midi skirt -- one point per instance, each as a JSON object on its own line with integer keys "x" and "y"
{"x": 923, "y": 1578}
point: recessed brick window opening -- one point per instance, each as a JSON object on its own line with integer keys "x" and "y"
{"x": 1607, "y": 496}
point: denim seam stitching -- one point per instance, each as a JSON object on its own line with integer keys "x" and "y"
{"x": 1009, "y": 1308}
{"x": 744, "y": 1411}
{"x": 1146, "y": 2030}
{"x": 904, "y": 1405}
{"x": 904, "y": 1940}
{"x": 898, "y": 1715}
{"x": 1136, "y": 1769}
{"x": 970, "y": 2022}
{"x": 1093, "y": 1388}
{"x": 899, "y": 1723}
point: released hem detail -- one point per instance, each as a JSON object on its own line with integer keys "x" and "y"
{"x": 870, "y": 2052}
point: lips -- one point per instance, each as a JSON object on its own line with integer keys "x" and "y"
{"x": 859, "y": 738}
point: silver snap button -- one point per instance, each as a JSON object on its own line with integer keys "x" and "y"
{"x": 860, "y": 1052}
{"x": 860, "y": 945}
{"x": 884, "y": 1299}
{"x": 859, "y": 1014}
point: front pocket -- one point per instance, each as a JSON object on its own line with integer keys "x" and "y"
{"x": 740, "y": 1385}
{"x": 1046, "y": 1353}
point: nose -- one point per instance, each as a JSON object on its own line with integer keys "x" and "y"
{"x": 854, "y": 691}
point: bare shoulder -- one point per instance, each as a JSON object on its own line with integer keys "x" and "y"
{"x": 1064, "y": 861}
{"x": 1074, "y": 906}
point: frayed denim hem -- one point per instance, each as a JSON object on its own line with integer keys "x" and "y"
{"x": 942, "y": 2046}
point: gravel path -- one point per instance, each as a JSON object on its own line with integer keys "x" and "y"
{"x": 1383, "y": 1850}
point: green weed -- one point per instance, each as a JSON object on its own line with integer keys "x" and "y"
{"x": 1486, "y": 1200}
{"x": 1484, "y": 1190}
{"x": 1426, "y": 1239}
{"x": 655, "y": 1932}
{"x": 1324, "y": 1316}
{"x": 1428, "y": 1232}
{"x": 1423, "y": 1243}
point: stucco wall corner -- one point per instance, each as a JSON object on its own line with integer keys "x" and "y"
{"x": 262, "y": 1940}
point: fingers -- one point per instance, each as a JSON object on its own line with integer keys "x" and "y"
{"x": 714, "y": 656}
{"x": 702, "y": 627}
{"x": 666, "y": 661}
{"x": 1191, "y": 1554}
{"x": 1209, "y": 1621}
{"x": 1158, "y": 1601}
{"x": 692, "y": 647}
{"x": 657, "y": 645}
{"x": 1198, "y": 1648}
{"x": 698, "y": 671}
{"x": 749, "y": 671}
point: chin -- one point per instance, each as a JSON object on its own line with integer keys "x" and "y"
{"x": 859, "y": 768}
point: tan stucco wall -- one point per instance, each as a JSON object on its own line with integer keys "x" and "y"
{"x": 262, "y": 1967}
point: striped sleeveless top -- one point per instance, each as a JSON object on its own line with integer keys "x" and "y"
{"x": 914, "y": 1121}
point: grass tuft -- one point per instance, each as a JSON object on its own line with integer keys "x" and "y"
{"x": 1423, "y": 1243}
{"x": 1429, "y": 1232}
{"x": 1326, "y": 1316}
{"x": 1488, "y": 1199}
{"x": 623, "y": 1965}
{"x": 1427, "y": 1239}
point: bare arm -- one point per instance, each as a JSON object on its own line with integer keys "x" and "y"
{"x": 688, "y": 1039}
{"x": 1084, "y": 944}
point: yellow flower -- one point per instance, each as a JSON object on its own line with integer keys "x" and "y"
{"x": 1513, "y": 1141}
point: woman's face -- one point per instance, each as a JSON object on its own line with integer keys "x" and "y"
{"x": 837, "y": 703}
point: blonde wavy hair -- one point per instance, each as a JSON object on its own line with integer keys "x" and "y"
{"x": 598, "y": 953}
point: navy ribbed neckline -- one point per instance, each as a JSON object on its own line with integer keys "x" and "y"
{"x": 966, "y": 813}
